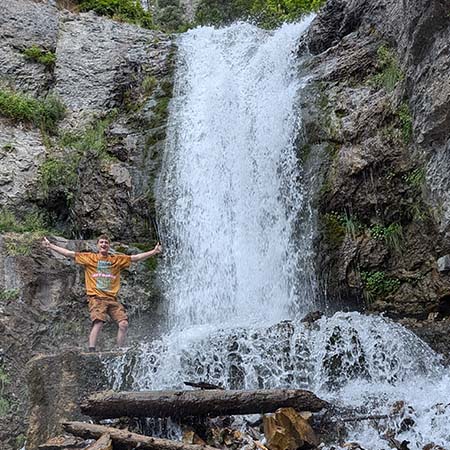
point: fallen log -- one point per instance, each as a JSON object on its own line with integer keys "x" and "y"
{"x": 211, "y": 403}
{"x": 125, "y": 438}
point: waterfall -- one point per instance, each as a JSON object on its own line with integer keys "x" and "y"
{"x": 229, "y": 190}
{"x": 232, "y": 196}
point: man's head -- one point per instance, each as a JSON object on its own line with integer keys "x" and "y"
{"x": 103, "y": 244}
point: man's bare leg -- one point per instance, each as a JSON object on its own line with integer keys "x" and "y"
{"x": 122, "y": 332}
{"x": 95, "y": 330}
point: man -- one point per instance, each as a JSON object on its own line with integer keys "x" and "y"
{"x": 102, "y": 279}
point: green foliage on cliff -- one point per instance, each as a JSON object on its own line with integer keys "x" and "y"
{"x": 378, "y": 284}
{"x": 406, "y": 122}
{"x": 130, "y": 11}
{"x": 40, "y": 55}
{"x": 43, "y": 113}
{"x": 7, "y": 295}
{"x": 32, "y": 222}
{"x": 392, "y": 235}
{"x": 267, "y": 13}
{"x": 389, "y": 73}
{"x": 57, "y": 174}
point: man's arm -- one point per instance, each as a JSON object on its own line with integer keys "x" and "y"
{"x": 145, "y": 255}
{"x": 62, "y": 251}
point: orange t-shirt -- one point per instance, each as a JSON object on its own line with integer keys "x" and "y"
{"x": 102, "y": 273}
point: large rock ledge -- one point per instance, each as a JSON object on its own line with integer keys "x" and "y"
{"x": 56, "y": 384}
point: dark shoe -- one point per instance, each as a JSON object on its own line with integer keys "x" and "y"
{"x": 91, "y": 349}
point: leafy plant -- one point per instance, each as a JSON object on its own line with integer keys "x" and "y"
{"x": 39, "y": 55}
{"x": 392, "y": 235}
{"x": 130, "y": 11}
{"x": 378, "y": 284}
{"x": 45, "y": 113}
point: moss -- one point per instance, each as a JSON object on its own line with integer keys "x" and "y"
{"x": 334, "y": 231}
{"x": 40, "y": 55}
{"x": 43, "y": 113}
{"x": 149, "y": 84}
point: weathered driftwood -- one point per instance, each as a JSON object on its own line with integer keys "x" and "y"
{"x": 127, "y": 439}
{"x": 210, "y": 403}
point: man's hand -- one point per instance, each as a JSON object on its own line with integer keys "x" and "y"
{"x": 62, "y": 251}
{"x": 45, "y": 243}
{"x": 157, "y": 249}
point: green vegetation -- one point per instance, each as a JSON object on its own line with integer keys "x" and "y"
{"x": 389, "y": 72}
{"x": 32, "y": 222}
{"x": 7, "y": 295}
{"x": 39, "y": 55}
{"x": 378, "y": 284}
{"x": 8, "y": 147}
{"x": 20, "y": 441}
{"x": 415, "y": 178}
{"x": 130, "y": 11}
{"x": 45, "y": 113}
{"x": 339, "y": 225}
{"x": 4, "y": 403}
{"x": 92, "y": 139}
{"x": 267, "y": 13}
{"x": 406, "y": 122}
{"x": 149, "y": 84}
{"x": 392, "y": 235}
{"x": 59, "y": 175}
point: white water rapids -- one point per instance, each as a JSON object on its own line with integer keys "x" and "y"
{"x": 237, "y": 274}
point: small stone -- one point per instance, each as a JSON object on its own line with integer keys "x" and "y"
{"x": 443, "y": 263}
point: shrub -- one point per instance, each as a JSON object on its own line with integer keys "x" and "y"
{"x": 39, "y": 55}
{"x": 130, "y": 11}
{"x": 45, "y": 113}
{"x": 267, "y": 13}
{"x": 60, "y": 175}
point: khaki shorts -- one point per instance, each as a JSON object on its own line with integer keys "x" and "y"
{"x": 101, "y": 307}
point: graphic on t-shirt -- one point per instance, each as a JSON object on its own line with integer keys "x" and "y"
{"x": 103, "y": 277}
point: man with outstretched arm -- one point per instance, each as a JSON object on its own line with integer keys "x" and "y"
{"x": 102, "y": 278}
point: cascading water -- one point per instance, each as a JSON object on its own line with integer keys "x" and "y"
{"x": 231, "y": 193}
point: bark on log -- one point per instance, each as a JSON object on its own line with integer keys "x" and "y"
{"x": 124, "y": 438}
{"x": 212, "y": 403}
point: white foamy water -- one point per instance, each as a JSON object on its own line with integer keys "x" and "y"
{"x": 229, "y": 191}
{"x": 237, "y": 262}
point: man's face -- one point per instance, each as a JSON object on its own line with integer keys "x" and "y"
{"x": 103, "y": 247}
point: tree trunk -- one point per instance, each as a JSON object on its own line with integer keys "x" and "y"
{"x": 124, "y": 438}
{"x": 212, "y": 403}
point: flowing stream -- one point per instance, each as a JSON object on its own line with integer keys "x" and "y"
{"x": 236, "y": 280}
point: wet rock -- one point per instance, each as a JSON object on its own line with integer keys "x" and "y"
{"x": 443, "y": 263}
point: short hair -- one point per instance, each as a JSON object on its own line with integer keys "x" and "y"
{"x": 104, "y": 237}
